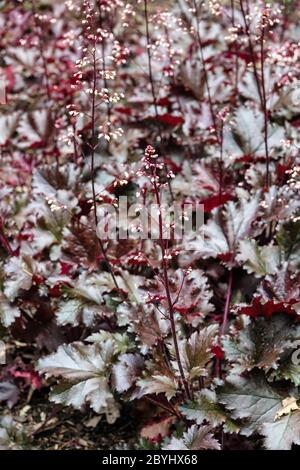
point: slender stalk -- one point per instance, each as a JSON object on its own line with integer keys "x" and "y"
{"x": 200, "y": 42}
{"x": 150, "y": 59}
{"x": 41, "y": 47}
{"x": 236, "y": 75}
{"x": 232, "y": 12}
{"x": 219, "y": 134}
{"x": 154, "y": 99}
{"x": 252, "y": 53}
{"x": 104, "y": 59}
{"x": 4, "y": 240}
{"x": 221, "y": 162}
{"x": 218, "y": 372}
{"x": 94, "y": 137}
{"x": 285, "y": 21}
{"x": 164, "y": 407}
{"x": 265, "y": 111}
{"x": 76, "y": 155}
{"x": 173, "y": 83}
{"x": 42, "y": 51}
{"x": 168, "y": 294}
{"x": 259, "y": 83}
{"x": 227, "y": 304}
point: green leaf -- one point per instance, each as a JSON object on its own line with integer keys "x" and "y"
{"x": 229, "y": 226}
{"x": 121, "y": 341}
{"x": 196, "y": 438}
{"x": 85, "y": 372}
{"x": 260, "y": 344}
{"x": 126, "y": 371}
{"x": 19, "y": 273}
{"x": 8, "y": 312}
{"x": 247, "y": 136}
{"x": 205, "y": 407}
{"x": 75, "y": 311}
{"x": 288, "y": 372}
{"x": 251, "y": 399}
{"x": 157, "y": 384}
{"x": 196, "y": 352}
{"x": 281, "y": 434}
{"x": 89, "y": 297}
{"x": 288, "y": 237}
{"x": 260, "y": 260}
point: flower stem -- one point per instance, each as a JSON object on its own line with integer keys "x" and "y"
{"x": 265, "y": 111}
{"x": 104, "y": 60}
{"x": 154, "y": 99}
{"x": 41, "y": 50}
{"x": 199, "y": 38}
{"x": 219, "y": 135}
{"x": 251, "y": 49}
{"x": 4, "y": 240}
{"x": 227, "y": 304}
{"x": 94, "y": 137}
{"x": 235, "y": 47}
{"x": 221, "y": 162}
{"x": 170, "y": 410}
{"x": 168, "y": 294}
{"x": 261, "y": 87}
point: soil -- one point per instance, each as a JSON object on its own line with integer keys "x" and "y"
{"x": 52, "y": 427}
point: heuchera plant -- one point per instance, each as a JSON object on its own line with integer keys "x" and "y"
{"x": 164, "y": 102}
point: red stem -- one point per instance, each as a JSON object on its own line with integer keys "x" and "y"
{"x": 164, "y": 407}
{"x": 219, "y": 136}
{"x": 4, "y": 241}
{"x": 251, "y": 48}
{"x": 167, "y": 289}
{"x": 94, "y": 137}
{"x": 41, "y": 50}
{"x": 236, "y": 75}
{"x": 227, "y": 304}
{"x": 103, "y": 59}
{"x": 177, "y": 97}
{"x": 260, "y": 84}
{"x": 76, "y": 156}
{"x": 153, "y": 89}
{"x": 212, "y": 112}
{"x": 221, "y": 163}
{"x": 265, "y": 111}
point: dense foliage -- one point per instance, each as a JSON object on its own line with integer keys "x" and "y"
{"x": 177, "y": 101}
